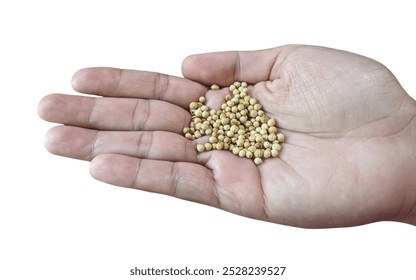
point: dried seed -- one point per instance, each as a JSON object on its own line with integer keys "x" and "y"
{"x": 200, "y": 148}
{"x": 215, "y": 87}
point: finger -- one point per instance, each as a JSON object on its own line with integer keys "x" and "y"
{"x": 179, "y": 179}
{"x": 138, "y": 84}
{"x": 224, "y": 68}
{"x": 85, "y": 144}
{"x": 113, "y": 113}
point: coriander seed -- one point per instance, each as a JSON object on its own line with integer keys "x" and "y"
{"x": 240, "y": 126}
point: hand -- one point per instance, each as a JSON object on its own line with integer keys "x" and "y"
{"x": 349, "y": 158}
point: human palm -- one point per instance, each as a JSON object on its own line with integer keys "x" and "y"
{"x": 347, "y": 121}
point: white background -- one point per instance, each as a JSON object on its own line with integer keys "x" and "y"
{"x": 58, "y": 223}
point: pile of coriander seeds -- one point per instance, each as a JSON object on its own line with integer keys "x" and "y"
{"x": 240, "y": 126}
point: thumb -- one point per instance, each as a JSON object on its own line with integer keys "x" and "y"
{"x": 224, "y": 68}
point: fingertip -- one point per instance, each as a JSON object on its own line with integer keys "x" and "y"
{"x": 80, "y": 79}
{"x": 53, "y": 140}
{"x": 96, "y": 166}
{"x": 114, "y": 169}
{"x": 46, "y": 106}
{"x": 209, "y": 68}
{"x": 94, "y": 80}
{"x": 76, "y": 80}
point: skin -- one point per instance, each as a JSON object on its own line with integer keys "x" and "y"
{"x": 350, "y": 150}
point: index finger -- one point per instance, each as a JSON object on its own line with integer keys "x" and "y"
{"x": 224, "y": 68}
{"x": 113, "y": 82}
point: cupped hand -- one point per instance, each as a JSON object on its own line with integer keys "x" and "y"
{"x": 348, "y": 159}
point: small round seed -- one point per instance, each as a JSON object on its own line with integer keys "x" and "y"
{"x": 258, "y": 161}
{"x": 272, "y": 129}
{"x": 276, "y": 147}
{"x": 220, "y": 146}
{"x": 249, "y": 154}
{"x": 215, "y": 87}
{"x": 208, "y": 146}
{"x": 213, "y": 139}
{"x": 200, "y": 148}
{"x": 236, "y": 150}
{"x": 189, "y": 136}
{"x": 193, "y": 105}
{"x": 267, "y": 153}
{"x": 272, "y": 137}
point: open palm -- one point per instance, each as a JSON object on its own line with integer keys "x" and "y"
{"x": 347, "y": 121}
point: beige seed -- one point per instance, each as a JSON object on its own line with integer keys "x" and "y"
{"x": 275, "y": 153}
{"x": 259, "y": 139}
{"x": 193, "y": 106}
{"x": 271, "y": 122}
{"x": 280, "y": 137}
{"x": 208, "y": 146}
{"x": 258, "y": 161}
{"x": 242, "y": 153}
{"x": 272, "y": 137}
{"x": 213, "y": 140}
{"x": 189, "y": 136}
{"x": 253, "y": 113}
{"x": 249, "y": 154}
{"x": 198, "y": 112}
{"x": 202, "y": 99}
{"x": 266, "y": 144}
{"x": 200, "y": 148}
{"x": 186, "y": 130}
{"x": 198, "y": 126}
{"x": 258, "y": 153}
{"x": 240, "y": 142}
{"x": 236, "y": 150}
{"x": 272, "y": 129}
{"x": 220, "y": 146}
{"x": 267, "y": 153}
{"x": 276, "y": 147}
{"x": 215, "y": 87}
